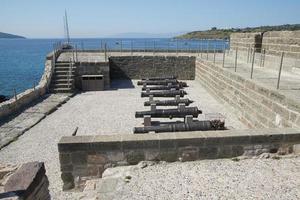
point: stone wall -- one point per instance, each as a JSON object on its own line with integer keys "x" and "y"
{"x": 137, "y": 67}
{"x": 13, "y": 105}
{"x": 244, "y": 41}
{"x": 27, "y": 182}
{"x": 92, "y": 68}
{"x": 84, "y": 157}
{"x": 256, "y": 106}
{"x": 275, "y": 42}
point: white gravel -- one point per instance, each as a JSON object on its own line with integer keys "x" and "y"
{"x": 104, "y": 112}
{"x": 215, "y": 179}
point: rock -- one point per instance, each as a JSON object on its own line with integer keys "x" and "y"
{"x": 3, "y": 98}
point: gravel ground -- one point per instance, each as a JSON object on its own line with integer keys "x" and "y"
{"x": 105, "y": 112}
{"x": 215, "y": 179}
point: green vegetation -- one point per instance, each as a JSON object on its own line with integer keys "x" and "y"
{"x": 7, "y": 35}
{"x": 216, "y": 33}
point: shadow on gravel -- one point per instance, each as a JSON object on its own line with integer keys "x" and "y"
{"x": 12, "y": 116}
{"x": 121, "y": 84}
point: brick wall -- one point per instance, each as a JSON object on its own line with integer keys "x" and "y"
{"x": 275, "y": 42}
{"x": 256, "y": 106}
{"x": 84, "y": 157}
{"x": 137, "y": 67}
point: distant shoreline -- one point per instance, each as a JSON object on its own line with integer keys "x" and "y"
{"x": 10, "y": 36}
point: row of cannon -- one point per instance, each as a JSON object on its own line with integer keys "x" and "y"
{"x": 170, "y": 87}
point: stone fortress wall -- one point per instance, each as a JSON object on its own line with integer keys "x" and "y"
{"x": 269, "y": 47}
{"x": 256, "y": 106}
{"x": 137, "y": 67}
{"x": 243, "y": 41}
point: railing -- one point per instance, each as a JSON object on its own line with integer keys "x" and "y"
{"x": 250, "y": 59}
{"x": 153, "y": 45}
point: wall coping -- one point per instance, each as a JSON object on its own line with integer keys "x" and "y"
{"x": 227, "y": 137}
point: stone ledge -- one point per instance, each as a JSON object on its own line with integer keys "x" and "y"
{"x": 228, "y": 137}
{"x": 89, "y": 156}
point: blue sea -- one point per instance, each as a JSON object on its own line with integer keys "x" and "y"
{"x": 22, "y": 60}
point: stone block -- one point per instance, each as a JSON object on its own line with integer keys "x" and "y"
{"x": 168, "y": 155}
{"x": 64, "y": 158}
{"x": 208, "y": 152}
{"x": 79, "y": 158}
{"x": 134, "y": 157}
{"x": 68, "y": 180}
{"x": 96, "y": 159}
{"x": 188, "y": 153}
{"x": 225, "y": 151}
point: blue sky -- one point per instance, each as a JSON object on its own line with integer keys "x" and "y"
{"x": 99, "y": 18}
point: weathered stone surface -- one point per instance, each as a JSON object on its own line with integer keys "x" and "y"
{"x": 28, "y": 182}
{"x": 137, "y": 67}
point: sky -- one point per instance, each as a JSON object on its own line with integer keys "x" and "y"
{"x": 117, "y": 18}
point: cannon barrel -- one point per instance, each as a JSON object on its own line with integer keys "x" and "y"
{"x": 164, "y": 93}
{"x": 160, "y": 78}
{"x": 181, "y": 127}
{"x": 169, "y": 113}
{"x": 174, "y": 102}
{"x": 163, "y": 87}
{"x": 162, "y": 82}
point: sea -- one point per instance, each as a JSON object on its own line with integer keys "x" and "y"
{"x": 22, "y": 60}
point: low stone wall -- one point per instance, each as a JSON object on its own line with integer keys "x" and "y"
{"x": 27, "y": 182}
{"x": 89, "y": 156}
{"x": 12, "y": 106}
{"x": 244, "y": 41}
{"x": 137, "y": 67}
{"x": 275, "y": 42}
{"x": 256, "y": 106}
{"x": 90, "y": 68}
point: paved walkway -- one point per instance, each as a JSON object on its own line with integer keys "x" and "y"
{"x": 14, "y": 126}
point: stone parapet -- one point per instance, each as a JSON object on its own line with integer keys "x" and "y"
{"x": 244, "y": 41}
{"x": 256, "y": 106}
{"x": 137, "y": 67}
{"x": 84, "y": 157}
{"x": 276, "y": 42}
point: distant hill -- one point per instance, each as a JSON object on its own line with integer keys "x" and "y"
{"x": 215, "y": 33}
{"x": 7, "y": 35}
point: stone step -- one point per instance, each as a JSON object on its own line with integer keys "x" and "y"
{"x": 63, "y": 69}
{"x": 61, "y": 90}
{"x": 61, "y": 85}
{"x": 63, "y": 76}
{"x": 62, "y": 64}
{"x": 61, "y": 81}
{"x": 64, "y": 72}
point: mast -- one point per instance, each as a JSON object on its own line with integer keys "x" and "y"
{"x": 66, "y": 26}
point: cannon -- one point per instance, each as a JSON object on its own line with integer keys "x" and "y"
{"x": 181, "y": 126}
{"x": 162, "y": 82}
{"x": 164, "y": 93}
{"x": 169, "y": 113}
{"x": 173, "y": 102}
{"x": 163, "y": 87}
{"x": 160, "y": 78}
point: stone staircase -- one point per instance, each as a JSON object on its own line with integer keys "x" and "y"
{"x": 63, "y": 78}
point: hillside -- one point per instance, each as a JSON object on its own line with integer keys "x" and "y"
{"x": 215, "y": 33}
{"x": 7, "y": 35}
